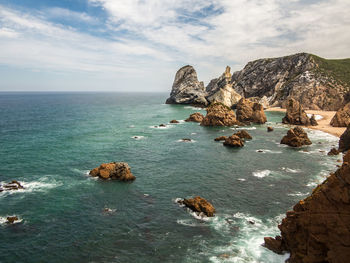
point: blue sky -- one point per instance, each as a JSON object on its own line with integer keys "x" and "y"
{"x": 138, "y": 45}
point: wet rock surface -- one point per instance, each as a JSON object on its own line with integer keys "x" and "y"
{"x": 234, "y": 141}
{"x": 199, "y": 205}
{"x": 116, "y": 171}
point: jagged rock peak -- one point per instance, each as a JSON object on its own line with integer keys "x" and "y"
{"x": 187, "y": 89}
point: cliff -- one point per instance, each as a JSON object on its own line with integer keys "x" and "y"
{"x": 315, "y": 82}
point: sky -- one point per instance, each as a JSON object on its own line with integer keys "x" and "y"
{"x": 138, "y": 45}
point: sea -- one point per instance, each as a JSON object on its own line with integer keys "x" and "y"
{"x": 50, "y": 142}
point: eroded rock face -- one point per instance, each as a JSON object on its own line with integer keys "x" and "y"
{"x": 295, "y": 114}
{"x": 318, "y": 228}
{"x": 219, "y": 115}
{"x": 220, "y": 90}
{"x": 243, "y": 134}
{"x": 116, "y": 171}
{"x": 297, "y": 76}
{"x": 248, "y": 111}
{"x": 342, "y": 117}
{"x": 199, "y": 205}
{"x": 187, "y": 89}
{"x": 195, "y": 117}
{"x": 296, "y": 137}
{"x": 233, "y": 141}
{"x": 344, "y": 142}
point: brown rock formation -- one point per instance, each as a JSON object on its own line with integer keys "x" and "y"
{"x": 248, "y": 111}
{"x": 295, "y": 114}
{"x": 234, "y": 141}
{"x": 11, "y": 219}
{"x": 220, "y": 138}
{"x": 195, "y": 117}
{"x": 270, "y": 129}
{"x": 313, "y": 121}
{"x": 318, "y": 228}
{"x": 296, "y": 137}
{"x": 116, "y": 171}
{"x": 344, "y": 142}
{"x": 219, "y": 115}
{"x": 13, "y": 185}
{"x": 333, "y": 151}
{"x": 243, "y": 134}
{"x": 174, "y": 121}
{"x": 342, "y": 117}
{"x": 199, "y": 205}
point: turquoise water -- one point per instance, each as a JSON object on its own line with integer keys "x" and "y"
{"x": 50, "y": 142}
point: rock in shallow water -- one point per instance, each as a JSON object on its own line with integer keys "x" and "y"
{"x": 220, "y": 138}
{"x": 199, "y": 205}
{"x": 219, "y": 115}
{"x": 243, "y": 134}
{"x": 195, "y": 117}
{"x": 11, "y": 219}
{"x": 295, "y": 114}
{"x": 116, "y": 171}
{"x": 234, "y": 141}
{"x": 248, "y": 111}
{"x": 296, "y": 137}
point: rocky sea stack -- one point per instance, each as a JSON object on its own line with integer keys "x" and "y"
{"x": 296, "y": 137}
{"x": 316, "y": 83}
{"x": 248, "y": 112}
{"x": 195, "y": 117}
{"x": 295, "y": 114}
{"x": 219, "y": 115}
{"x": 318, "y": 228}
{"x": 199, "y": 205}
{"x": 116, "y": 171}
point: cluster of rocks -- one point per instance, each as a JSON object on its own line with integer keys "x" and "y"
{"x": 296, "y": 115}
{"x": 318, "y": 227}
{"x": 235, "y": 140}
{"x": 13, "y": 185}
{"x": 115, "y": 171}
{"x": 198, "y": 205}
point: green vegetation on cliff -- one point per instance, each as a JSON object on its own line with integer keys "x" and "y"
{"x": 339, "y": 69}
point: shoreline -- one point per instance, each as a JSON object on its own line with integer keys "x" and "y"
{"x": 323, "y": 124}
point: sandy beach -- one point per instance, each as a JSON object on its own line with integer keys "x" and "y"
{"x": 323, "y": 124}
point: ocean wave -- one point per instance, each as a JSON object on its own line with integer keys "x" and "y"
{"x": 241, "y": 179}
{"x": 193, "y": 108}
{"x": 289, "y": 170}
{"x": 243, "y": 128}
{"x": 182, "y": 140}
{"x": 3, "y": 220}
{"x": 316, "y": 135}
{"x": 261, "y": 174}
{"x": 267, "y": 151}
{"x": 298, "y": 194}
{"x": 41, "y": 185}
{"x": 161, "y": 127}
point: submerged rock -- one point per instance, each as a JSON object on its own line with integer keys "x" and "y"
{"x": 344, "y": 142}
{"x": 270, "y": 129}
{"x": 342, "y": 117}
{"x": 318, "y": 228}
{"x": 220, "y": 138}
{"x": 13, "y": 185}
{"x": 333, "y": 151}
{"x": 296, "y": 137}
{"x": 234, "y": 141}
{"x": 174, "y": 121}
{"x": 199, "y": 205}
{"x": 248, "y": 111}
{"x": 195, "y": 117}
{"x": 219, "y": 115}
{"x": 243, "y": 134}
{"x": 187, "y": 89}
{"x": 295, "y": 114}
{"x": 186, "y": 140}
{"x": 116, "y": 171}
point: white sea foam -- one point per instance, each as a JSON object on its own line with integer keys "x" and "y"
{"x": 193, "y": 133}
{"x": 138, "y": 137}
{"x": 193, "y": 108}
{"x": 241, "y": 179}
{"x": 41, "y": 185}
{"x": 267, "y": 151}
{"x": 182, "y": 140}
{"x": 316, "y": 135}
{"x": 298, "y": 194}
{"x": 318, "y": 179}
{"x": 244, "y": 128}
{"x": 3, "y": 220}
{"x": 161, "y": 128}
{"x": 289, "y": 170}
{"x": 131, "y": 126}
{"x": 261, "y": 174}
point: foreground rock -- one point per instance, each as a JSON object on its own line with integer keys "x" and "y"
{"x": 243, "y": 134}
{"x": 116, "y": 171}
{"x": 344, "y": 141}
{"x": 295, "y": 114}
{"x": 13, "y": 185}
{"x": 342, "y": 117}
{"x": 219, "y": 115}
{"x": 195, "y": 117}
{"x": 318, "y": 228}
{"x": 234, "y": 141}
{"x": 199, "y": 205}
{"x": 187, "y": 89}
{"x": 296, "y": 137}
{"x": 248, "y": 112}
{"x": 220, "y": 90}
